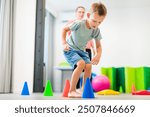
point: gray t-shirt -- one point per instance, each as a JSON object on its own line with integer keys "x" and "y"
{"x": 80, "y": 35}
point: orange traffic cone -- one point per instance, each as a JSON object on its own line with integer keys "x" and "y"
{"x": 66, "y": 88}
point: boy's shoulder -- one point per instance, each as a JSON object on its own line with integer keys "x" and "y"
{"x": 78, "y": 23}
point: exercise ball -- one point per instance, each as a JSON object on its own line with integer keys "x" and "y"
{"x": 100, "y": 82}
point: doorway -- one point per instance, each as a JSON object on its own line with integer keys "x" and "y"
{"x": 48, "y": 47}
{"x": 43, "y": 63}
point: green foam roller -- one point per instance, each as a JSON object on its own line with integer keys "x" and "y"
{"x": 129, "y": 78}
{"x": 111, "y": 74}
{"x": 139, "y": 78}
{"x": 146, "y": 78}
{"x": 120, "y": 79}
{"x": 104, "y": 71}
{"x": 120, "y": 89}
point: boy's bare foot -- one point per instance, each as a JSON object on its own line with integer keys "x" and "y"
{"x": 74, "y": 94}
{"x": 79, "y": 91}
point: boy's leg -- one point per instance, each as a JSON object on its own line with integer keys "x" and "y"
{"x": 75, "y": 77}
{"x": 78, "y": 83}
{"x": 87, "y": 73}
{"x": 73, "y": 58}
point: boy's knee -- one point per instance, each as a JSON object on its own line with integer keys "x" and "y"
{"x": 88, "y": 66}
{"x": 81, "y": 64}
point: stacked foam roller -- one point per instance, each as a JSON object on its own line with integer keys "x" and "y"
{"x": 124, "y": 77}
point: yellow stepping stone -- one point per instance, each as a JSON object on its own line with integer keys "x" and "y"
{"x": 108, "y": 92}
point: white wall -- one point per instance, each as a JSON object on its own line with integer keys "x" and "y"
{"x": 126, "y": 37}
{"x": 24, "y": 41}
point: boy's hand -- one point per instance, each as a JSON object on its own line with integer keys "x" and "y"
{"x": 95, "y": 60}
{"x": 65, "y": 47}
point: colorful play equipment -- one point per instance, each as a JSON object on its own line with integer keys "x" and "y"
{"x": 142, "y": 78}
{"x": 141, "y": 92}
{"x": 66, "y": 88}
{"x": 100, "y": 82}
{"x": 120, "y": 79}
{"x": 124, "y": 77}
{"x": 108, "y": 92}
{"x": 121, "y": 90}
{"x": 110, "y": 72}
{"x": 88, "y": 90}
{"x": 129, "y": 78}
{"x": 25, "y": 90}
{"x": 48, "y": 89}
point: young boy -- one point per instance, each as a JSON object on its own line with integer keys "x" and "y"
{"x": 74, "y": 47}
{"x": 79, "y": 13}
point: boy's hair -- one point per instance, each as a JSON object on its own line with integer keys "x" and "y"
{"x": 79, "y": 7}
{"x": 100, "y": 8}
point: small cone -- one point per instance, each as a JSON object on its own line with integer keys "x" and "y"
{"x": 48, "y": 89}
{"x": 133, "y": 89}
{"x": 25, "y": 90}
{"x": 141, "y": 92}
{"x": 120, "y": 89}
{"x": 66, "y": 88}
{"x": 88, "y": 90}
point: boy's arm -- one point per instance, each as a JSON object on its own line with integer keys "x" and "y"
{"x": 93, "y": 47}
{"x": 96, "y": 58}
{"x": 64, "y": 34}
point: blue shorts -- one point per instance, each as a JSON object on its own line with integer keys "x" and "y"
{"x": 73, "y": 56}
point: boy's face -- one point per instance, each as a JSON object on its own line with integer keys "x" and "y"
{"x": 95, "y": 20}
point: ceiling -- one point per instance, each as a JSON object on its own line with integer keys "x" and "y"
{"x": 67, "y": 5}
{"x": 70, "y": 5}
